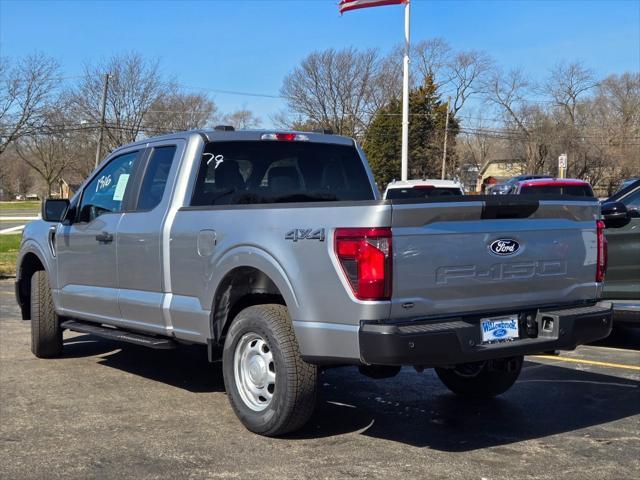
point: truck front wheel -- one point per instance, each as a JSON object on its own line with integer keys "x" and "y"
{"x": 482, "y": 379}
{"x": 46, "y": 334}
{"x": 270, "y": 388}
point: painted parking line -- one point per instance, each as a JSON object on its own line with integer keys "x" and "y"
{"x": 6, "y": 231}
{"x": 587, "y": 362}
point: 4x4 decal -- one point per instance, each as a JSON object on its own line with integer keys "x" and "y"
{"x": 305, "y": 234}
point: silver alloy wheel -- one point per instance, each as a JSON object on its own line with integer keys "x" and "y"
{"x": 254, "y": 371}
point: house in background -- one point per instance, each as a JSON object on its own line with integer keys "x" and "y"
{"x": 66, "y": 190}
{"x": 499, "y": 170}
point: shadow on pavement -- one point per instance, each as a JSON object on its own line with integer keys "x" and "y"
{"x": 412, "y": 408}
{"x": 186, "y": 367}
{"x": 622, "y": 336}
{"x": 417, "y": 410}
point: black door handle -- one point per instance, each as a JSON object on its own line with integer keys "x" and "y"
{"x": 104, "y": 237}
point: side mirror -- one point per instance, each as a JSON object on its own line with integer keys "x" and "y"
{"x": 54, "y": 210}
{"x": 614, "y": 214}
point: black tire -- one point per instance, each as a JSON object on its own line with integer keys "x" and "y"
{"x": 482, "y": 379}
{"x": 46, "y": 334}
{"x": 295, "y": 384}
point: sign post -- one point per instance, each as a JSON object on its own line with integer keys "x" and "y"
{"x": 562, "y": 165}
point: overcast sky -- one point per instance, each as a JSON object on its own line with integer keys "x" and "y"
{"x": 249, "y": 46}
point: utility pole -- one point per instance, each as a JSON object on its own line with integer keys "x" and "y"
{"x": 446, "y": 134}
{"x": 102, "y": 115}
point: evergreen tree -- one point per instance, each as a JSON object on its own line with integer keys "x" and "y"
{"x": 383, "y": 140}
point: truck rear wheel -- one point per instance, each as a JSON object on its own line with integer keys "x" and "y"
{"x": 46, "y": 334}
{"x": 482, "y": 379}
{"x": 270, "y": 388}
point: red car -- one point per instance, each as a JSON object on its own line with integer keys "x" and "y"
{"x": 554, "y": 186}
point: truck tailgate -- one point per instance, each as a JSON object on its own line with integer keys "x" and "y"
{"x": 444, "y": 263}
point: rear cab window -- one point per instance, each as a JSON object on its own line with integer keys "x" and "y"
{"x": 422, "y": 192}
{"x": 250, "y": 172}
{"x": 574, "y": 190}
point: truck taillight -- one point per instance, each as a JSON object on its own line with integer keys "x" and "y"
{"x": 365, "y": 258}
{"x": 601, "y": 266}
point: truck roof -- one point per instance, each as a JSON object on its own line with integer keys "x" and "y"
{"x": 210, "y": 135}
{"x": 424, "y": 182}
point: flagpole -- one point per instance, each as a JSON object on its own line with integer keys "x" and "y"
{"x": 405, "y": 94}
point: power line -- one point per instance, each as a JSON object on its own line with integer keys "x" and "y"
{"x": 502, "y": 134}
{"x": 227, "y": 92}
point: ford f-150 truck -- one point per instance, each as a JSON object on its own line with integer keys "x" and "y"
{"x": 276, "y": 251}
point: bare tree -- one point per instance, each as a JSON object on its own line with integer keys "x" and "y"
{"x": 387, "y": 82}
{"x": 459, "y": 74}
{"x": 334, "y": 89}
{"x": 5, "y": 184}
{"x": 22, "y": 178}
{"x": 25, "y": 90}
{"x": 613, "y": 126}
{"x": 241, "y": 119}
{"x": 48, "y": 152}
{"x": 135, "y": 86}
{"x": 617, "y": 103}
{"x": 431, "y": 58}
{"x": 526, "y": 125}
{"x": 177, "y": 111}
{"x": 82, "y": 148}
{"x": 568, "y": 83}
{"x": 465, "y": 72}
{"x": 286, "y": 121}
{"x": 477, "y": 146}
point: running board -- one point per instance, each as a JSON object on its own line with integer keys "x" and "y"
{"x": 120, "y": 335}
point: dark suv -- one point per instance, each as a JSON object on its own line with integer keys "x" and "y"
{"x": 509, "y": 185}
{"x": 621, "y": 213}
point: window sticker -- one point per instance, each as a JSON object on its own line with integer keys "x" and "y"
{"x": 103, "y": 182}
{"x": 118, "y": 194}
{"x": 215, "y": 158}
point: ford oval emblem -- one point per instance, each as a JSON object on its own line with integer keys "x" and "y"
{"x": 504, "y": 246}
{"x": 500, "y": 332}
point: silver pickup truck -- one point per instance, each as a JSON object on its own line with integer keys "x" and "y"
{"x": 276, "y": 251}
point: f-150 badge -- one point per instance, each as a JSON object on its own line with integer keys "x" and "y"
{"x": 305, "y": 234}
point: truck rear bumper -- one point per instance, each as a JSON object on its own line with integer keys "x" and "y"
{"x": 454, "y": 341}
{"x": 626, "y": 312}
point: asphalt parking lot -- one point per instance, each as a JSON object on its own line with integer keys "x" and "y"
{"x": 107, "y": 410}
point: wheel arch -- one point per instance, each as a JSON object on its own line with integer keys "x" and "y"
{"x": 29, "y": 263}
{"x": 240, "y": 288}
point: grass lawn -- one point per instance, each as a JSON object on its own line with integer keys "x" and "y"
{"x": 30, "y": 206}
{"x": 9, "y": 245}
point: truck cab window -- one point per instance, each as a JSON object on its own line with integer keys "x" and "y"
{"x": 104, "y": 194}
{"x": 155, "y": 177}
{"x": 249, "y": 172}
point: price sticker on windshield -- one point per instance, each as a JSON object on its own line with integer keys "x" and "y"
{"x": 121, "y": 186}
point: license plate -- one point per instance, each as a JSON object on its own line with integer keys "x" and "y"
{"x": 499, "y": 329}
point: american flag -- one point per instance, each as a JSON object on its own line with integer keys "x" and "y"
{"x": 346, "y": 5}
